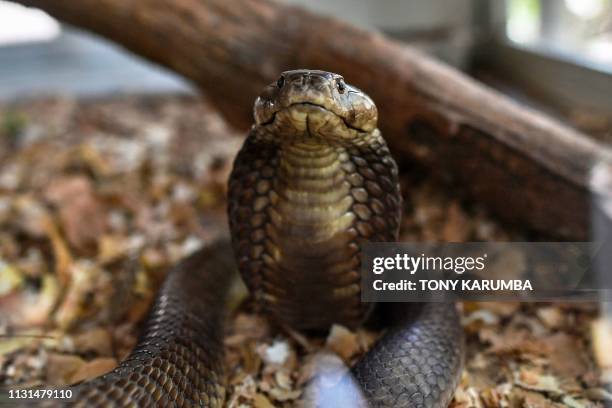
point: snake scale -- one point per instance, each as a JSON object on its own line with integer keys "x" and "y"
{"x": 313, "y": 181}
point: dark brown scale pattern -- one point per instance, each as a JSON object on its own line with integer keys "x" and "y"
{"x": 377, "y": 201}
{"x": 179, "y": 359}
{"x": 417, "y": 364}
{"x": 376, "y": 193}
{"x": 248, "y": 197}
{"x": 371, "y": 178}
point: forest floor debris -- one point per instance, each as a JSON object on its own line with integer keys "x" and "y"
{"x": 99, "y": 198}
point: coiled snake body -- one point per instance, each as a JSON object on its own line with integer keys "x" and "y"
{"x": 313, "y": 181}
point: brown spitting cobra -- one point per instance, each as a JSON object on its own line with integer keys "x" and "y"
{"x": 313, "y": 181}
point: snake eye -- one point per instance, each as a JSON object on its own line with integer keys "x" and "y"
{"x": 280, "y": 82}
{"x": 341, "y": 85}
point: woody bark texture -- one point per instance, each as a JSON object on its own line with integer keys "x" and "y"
{"x": 524, "y": 166}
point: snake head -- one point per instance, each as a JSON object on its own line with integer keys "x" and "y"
{"x": 311, "y": 103}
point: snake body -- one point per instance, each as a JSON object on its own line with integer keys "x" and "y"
{"x": 313, "y": 181}
{"x": 308, "y": 187}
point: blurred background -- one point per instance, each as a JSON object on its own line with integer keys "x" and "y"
{"x": 554, "y": 54}
{"x": 531, "y": 49}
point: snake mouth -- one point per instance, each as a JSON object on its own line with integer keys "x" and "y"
{"x": 317, "y": 106}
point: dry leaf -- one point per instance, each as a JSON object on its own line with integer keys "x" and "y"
{"x": 61, "y": 368}
{"x": 342, "y": 341}
{"x": 97, "y": 340}
{"x": 111, "y": 248}
{"x": 88, "y": 290}
{"x": 551, "y": 316}
{"x": 10, "y": 278}
{"x": 93, "y": 369}
{"x": 63, "y": 258}
{"x": 261, "y": 401}
{"x": 458, "y": 226}
{"x": 82, "y": 217}
{"x": 567, "y": 356}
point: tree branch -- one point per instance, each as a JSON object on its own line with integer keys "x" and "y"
{"x": 526, "y": 167}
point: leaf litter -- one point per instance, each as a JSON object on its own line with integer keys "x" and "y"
{"x": 98, "y": 198}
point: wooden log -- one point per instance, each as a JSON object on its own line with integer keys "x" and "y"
{"x": 526, "y": 167}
